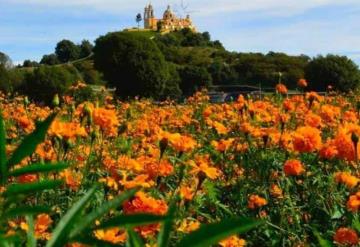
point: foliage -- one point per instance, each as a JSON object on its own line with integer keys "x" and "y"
{"x": 193, "y": 79}
{"x": 337, "y": 71}
{"x": 44, "y": 82}
{"x": 86, "y": 48}
{"x": 5, "y": 61}
{"x": 67, "y": 51}
{"x": 125, "y": 58}
{"x": 51, "y": 59}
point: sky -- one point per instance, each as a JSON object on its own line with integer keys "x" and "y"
{"x": 31, "y": 28}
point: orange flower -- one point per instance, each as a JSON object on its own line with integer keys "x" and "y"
{"x": 307, "y": 139}
{"x": 328, "y": 151}
{"x": 233, "y": 241}
{"x": 188, "y": 226}
{"x": 222, "y": 145}
{"x": 220, "y": 128}
{"x": 293, "y": 168}
{"x": 302, "y": 83}
{"x": 27, "y": 178}
{"x": 201, "y": 165}
{"x": 72, "y": 179}
{"x": 179, "y": 142}
{"x": 106, "y": 120}
{"x": 276, "y": 191}
{"x": 186, "y": 193}
{"x": 353, "y": 203}
{"x": 346, "y": 236}
{"x": 281, "y": 88}
{"x": 112, "y": 235}
{"x": 256, "y": 201}
{"x": 68, "y": 131}
{"x": 347, "y": 179}
{"x": 143, "y": 203}
{"x": 42, "y": 223}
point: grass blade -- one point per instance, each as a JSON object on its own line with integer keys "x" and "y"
{"x": 31, "y": 241}
{"x": 28, "y": 188}
{"x": 322, "y": 242}
{"x": 133, "y": 239}
{"x": 66, "y": 222}
{"x": 88, "y": 220}
{"x": 211, "y": 234}
{"x": 25, "y": 210}
{"x": 131, "y": 220}
{"x": 166, "y": 227}
{"x": 30, "y": 142}
{"x": 38, "y": 168}
{"x": 3, "y": 168}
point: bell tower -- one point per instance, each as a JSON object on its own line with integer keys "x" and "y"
{"x": 148, "y": 16}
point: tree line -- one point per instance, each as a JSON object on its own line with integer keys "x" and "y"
{"x": 176, "y": 64}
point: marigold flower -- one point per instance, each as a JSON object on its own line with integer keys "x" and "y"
{"x": 113, "y": 235}
{"x": 233, "y": 241}
{"x": 222, "y": 145}
{"x": 347, "y": 179}
{"x": 346, "y": 236}
{"x": 188, "y": 226}
{"x": 307, "y": 139}
{"x": 106, "y": 120}
{"x": 281, "y": 88}
{"x": 256, "y": 201}
{"x": 143, "y": 203}
{"x": 201, "y": 165}
{"x": 293, "y": 168}
{"x": 276, "y": 191}
{"x": 186, "y": 193}
{"x": 353, "y": 203}
{"x": 302, "y": 83}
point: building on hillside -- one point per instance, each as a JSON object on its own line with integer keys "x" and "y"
{"x": 169, "y": 21}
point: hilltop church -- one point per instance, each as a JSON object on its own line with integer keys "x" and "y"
{"x": 169, "y": 21}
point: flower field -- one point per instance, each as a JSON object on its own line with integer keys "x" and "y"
{"x": 272, "y": 172}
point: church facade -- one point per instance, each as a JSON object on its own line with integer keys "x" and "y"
{"x": 169, "y": 21}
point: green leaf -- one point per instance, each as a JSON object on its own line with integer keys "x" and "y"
{"x": 3, "y": 168}
{"x": 91, "y": 241}
{"x": 166, "y": 227}
{"x": 133, "y": 239}
{"x": 10, "y": 241}
{"x": 60, "y": 232}
{"x": 356, "y": 223}
{"x": 322, "y": 242}
{"x": 28, "y": 188}
{"x": 131, "y": 220}
{"x": 89, "y": 219}
{"x": 25, "y": 210}
{"x": 31, "y": 241}
{"x": 30, "y": 142}
{"x": 37, "y": 168}
{"x": 213, "y": 233}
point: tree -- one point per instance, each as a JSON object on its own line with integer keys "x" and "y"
{"x": 338, "y": 71}
{"x": 28, "y": 63}
{"x": 5, "y": 61}
{"x": 4, "y": 79}
{"x": 67, "y": 51}
{"x": 46, "y": 81}
{"x": 193, "y": 78}
{"x": 138, "y": 19}
{"x": 51, "y": 59}
{"x": 132, "y": 63}
{"x": 86, "y": 48}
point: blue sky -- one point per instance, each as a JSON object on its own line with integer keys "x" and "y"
{"x": 31, "y": 28}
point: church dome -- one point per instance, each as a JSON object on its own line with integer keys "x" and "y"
{"x": 168, "y": 14}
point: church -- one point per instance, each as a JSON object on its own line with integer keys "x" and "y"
{"x": 169, "y": 21}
